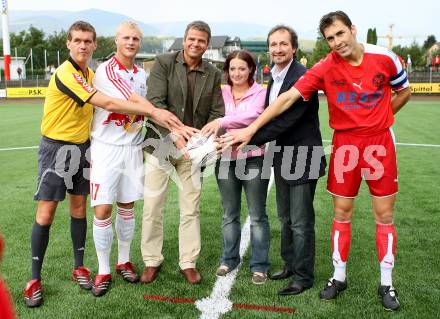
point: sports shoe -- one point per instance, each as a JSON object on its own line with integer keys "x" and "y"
{"x": 222, "y": 271}
{"x": 127, "y": 272}
{"x": 101, "y": 285}
{"x": 259, "y": 278}
{"x": 82, "y": 276}
{"x": 33, "y": 293}
{"x": 332, "y": 289}
{"x": 389, "y": 298}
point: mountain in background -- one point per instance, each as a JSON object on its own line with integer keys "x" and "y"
{"x": 105, "y": 23}
{"x": 232, "y": 29}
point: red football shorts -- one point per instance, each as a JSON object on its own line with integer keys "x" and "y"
{"x": 354, "y": 157}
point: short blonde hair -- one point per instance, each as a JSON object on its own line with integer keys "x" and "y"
{"x": 131, "y": 25}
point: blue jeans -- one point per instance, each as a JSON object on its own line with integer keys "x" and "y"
{"x": 230, "y": 181}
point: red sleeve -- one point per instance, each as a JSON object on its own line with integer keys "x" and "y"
{"x": 313, "y": 80}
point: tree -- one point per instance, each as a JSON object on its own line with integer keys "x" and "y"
{"x": 321, "y": 50}
{"x": 34, "y": 39}
{"x": 372, "y": 36}
{"x": 26, "y": 40}
{"x": 17, "y": 42}
{"x": 429, "y": 42}
{"x": 300, "y": 53}
{"x": 106, "y": 45}
{"x": 56, "y": 44}
{"x": 415, "y": 51}
{"x": 152, "y": 44}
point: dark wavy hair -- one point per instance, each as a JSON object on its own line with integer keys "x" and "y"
{"x": 283, "y": 27}
{"x": 242, "y": 55}
{"x": 328, "y": 19}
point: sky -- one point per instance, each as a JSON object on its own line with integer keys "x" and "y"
{"x": 413, "y": 20}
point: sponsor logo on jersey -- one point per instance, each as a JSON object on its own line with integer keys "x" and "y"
{"x": 379, "y": 80}
{"x": 359, "y": 86}
{"x": 123, "y": 119}
{"x": 84, "y": 84}
{"x": 338, "y": 82}
{"x": 118, "y": 119}
{"x": 355, "y": 100}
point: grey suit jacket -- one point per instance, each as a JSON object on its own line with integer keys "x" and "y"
{"x": 167, "y": 89}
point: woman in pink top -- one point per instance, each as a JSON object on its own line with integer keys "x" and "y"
{"x": 244, "y": 101}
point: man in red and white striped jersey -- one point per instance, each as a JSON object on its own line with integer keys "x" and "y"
{"x": 116, "y": 153}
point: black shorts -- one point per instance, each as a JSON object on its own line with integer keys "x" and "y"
{"x": 62, "y": 167}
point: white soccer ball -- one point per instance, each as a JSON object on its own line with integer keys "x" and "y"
{"x": 202, "y": 150}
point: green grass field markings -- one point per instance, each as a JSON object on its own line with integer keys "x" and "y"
{"x": 236, "y": 306}
{"x": 325, "y": 141}
{"x": 217, "y": 303}
{"x": 403, "y": 144}
{"x": 417, "y": 218}
{"x": 18, "y": 148}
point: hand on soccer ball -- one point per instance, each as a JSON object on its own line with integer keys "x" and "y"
{"x": 180, "y": 142}
{"x": 187, "y": 132}
{"x": 239, "y": 138}
{"x": 211, "y": 128}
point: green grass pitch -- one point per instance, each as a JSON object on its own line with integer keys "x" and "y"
{"x": 417, "y": 219}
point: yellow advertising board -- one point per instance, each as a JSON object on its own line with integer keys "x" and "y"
{"x": 29, "y": 92}
{"x": 424, "y": 88}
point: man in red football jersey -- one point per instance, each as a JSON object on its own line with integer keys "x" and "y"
{"x": 6, "y": 306}
{"x": 358, "y": 80}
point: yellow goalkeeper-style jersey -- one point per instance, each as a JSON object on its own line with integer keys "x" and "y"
{"x": 67, "y": 113}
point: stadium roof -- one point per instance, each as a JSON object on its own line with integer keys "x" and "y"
{"x": 217, "y": 42}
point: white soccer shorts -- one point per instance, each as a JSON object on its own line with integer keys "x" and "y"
{"x": 116, "y": 173}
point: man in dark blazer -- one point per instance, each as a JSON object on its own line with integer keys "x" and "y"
{"x": 298, "y": 163}
{"x": 189, "y": 87}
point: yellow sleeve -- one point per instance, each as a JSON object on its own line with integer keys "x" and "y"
{"x": 74, "y": 85}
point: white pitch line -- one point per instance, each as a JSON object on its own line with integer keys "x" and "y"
{"x": 326, "y": 141}
{"x": 17, "y": 148}
{"x": 404, "y": 144}
{"x": 418, "y": 145}
{"x": 218, "y": 303}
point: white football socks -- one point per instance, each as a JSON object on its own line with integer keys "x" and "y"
{"x": 103, "y": 238}
{"x": 124, "y": 225}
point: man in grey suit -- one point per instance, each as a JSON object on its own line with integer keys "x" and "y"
{"x": 189, "y": 87}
